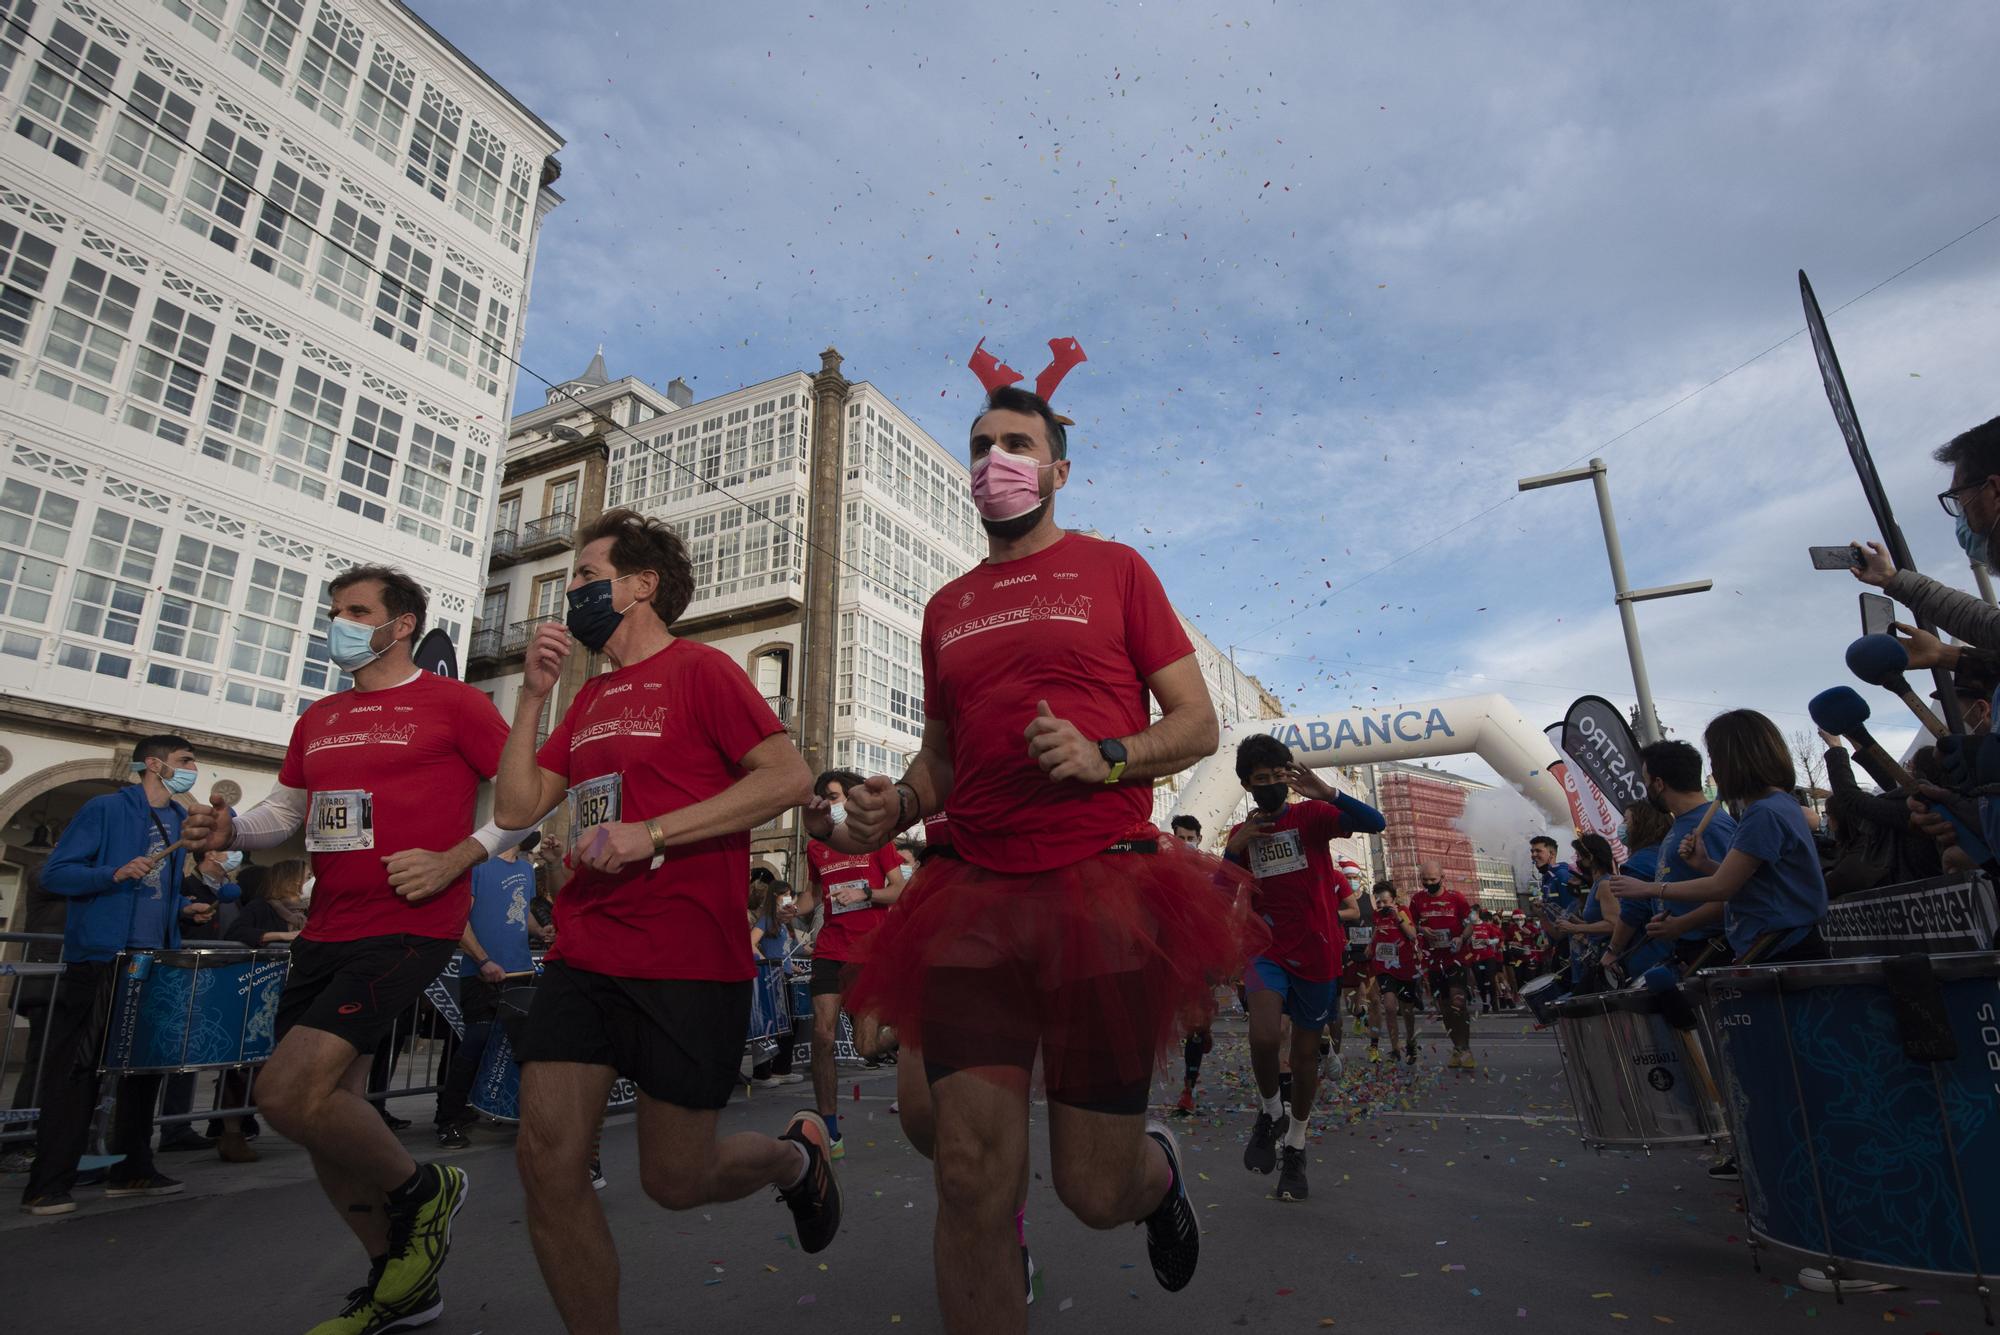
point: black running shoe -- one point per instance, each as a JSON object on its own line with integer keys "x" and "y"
{"x": 1261, "y": 1154}
{"x": 451, "y": 1136}
{"x": 1292, "y": 1175}
{"x": 1173, "y": 1234}
{"x": 1726, "y": 1171}
{"x": 815, "y": 1201}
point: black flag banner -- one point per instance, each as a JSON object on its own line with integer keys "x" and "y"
{"x": 434, "y": 654}
{"x": 1864, "y": 467}
{"x": 1596, "y": 736}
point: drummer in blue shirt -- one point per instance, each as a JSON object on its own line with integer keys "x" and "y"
{"x": 1676, "y": 929}
{"x": 118, "y": 864}
{"x": 1769, "y": 882}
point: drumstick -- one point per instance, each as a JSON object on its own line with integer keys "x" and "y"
{"x": 155, "y": 859}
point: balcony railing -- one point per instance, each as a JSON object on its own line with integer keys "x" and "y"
{"x": 550, "y": 533}
{"x": 518, "y": 634}
{"x": 505, "y": 548}
{"x": 485, "y": 644}
{"x": 781, "y": 705}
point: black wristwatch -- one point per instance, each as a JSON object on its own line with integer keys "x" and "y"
{"x": 1113, "y": 752}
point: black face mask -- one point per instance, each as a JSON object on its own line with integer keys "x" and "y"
{"x": 592, "y": 617}
{"x": 1020, "y": 526}
{"x": 1433, "y": 886}
{"x": 1269, "y": 797}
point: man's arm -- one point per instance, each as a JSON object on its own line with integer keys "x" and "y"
{"x": 775, "y": 778}
{"x": 73, "y": 869}
{"x": 524, "y": 792}
{"x": 879, "y": 810}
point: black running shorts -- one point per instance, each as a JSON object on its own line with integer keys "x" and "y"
{"x": 1404, "y": 989}
{"x": 828, "y": 976}
{"x": 356, "y": 990}
{"x": 679, "y": 1040}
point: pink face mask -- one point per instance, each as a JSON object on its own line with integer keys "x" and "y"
{"x": 1006, "y": 486}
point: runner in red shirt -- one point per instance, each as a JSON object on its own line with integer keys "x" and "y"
{"x": 1513, "y": 956}
{"x": 1444, "y": 920}
{"x": 856, "y": 890}
{"x": 1300, "y": 897}
{"x": 667, "y": 761}
{"x": 1398, "y": 963}
{"x": 1056, "y": 926}
{"x": 1485, "y": 957}
{"x": 385, "y": 777}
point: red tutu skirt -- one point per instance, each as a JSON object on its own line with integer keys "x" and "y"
{"x": 1100, "y": 966}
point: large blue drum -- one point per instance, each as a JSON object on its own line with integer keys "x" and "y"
{"x": 1864, "y": 1098}
{"x": 770, "y": 1003}
{"x": 194, "y": 1009}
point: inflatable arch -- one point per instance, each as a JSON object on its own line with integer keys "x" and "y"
{"x": 1484, "y": 725}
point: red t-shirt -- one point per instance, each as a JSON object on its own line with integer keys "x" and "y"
{"x": 646, "y": 740}
{"x": 1485, "y": 942}
{"x": 1440, "y": 918}
{"x": 1299, "y": 890}
{"x": 844, "y": 935}
{"x": 388, "y": 771}
{"x": 1394, "y": 953}
{"x": 1080, "y": 624}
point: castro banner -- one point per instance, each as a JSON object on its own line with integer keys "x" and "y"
{"x": 1939, "y": 916}
{"x": 1590, "y": 811}
{"x": 1595, "y": 736}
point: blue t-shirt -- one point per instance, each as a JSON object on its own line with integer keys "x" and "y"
{"x": 500, "y": 894}
{"x": 155, "y": 900}
{"x": 1556, "y": 887}
{"x": 1715, "y": 841}
{"x": 1583, "y": 951}
{"x": 1788, "y": 890}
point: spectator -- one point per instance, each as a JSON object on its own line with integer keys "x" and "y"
{"x": 1589, "y": 929}
{"x": 1876, "y": 842}
{"x": 495, "y": 943}
{"x": 115, "y": 864}
{"x": 1643, "y": 830}
{"x": 272, "y": 910}
{"x": 43, "y": 915}
{"x": 771, "y": 941}
{"x": 211, "y": 882}
{"x": 1973, "y": 501}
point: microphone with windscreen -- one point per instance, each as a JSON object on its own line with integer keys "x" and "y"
{"x": 1881, "y": 660}
{"x": 1841, "y": 711}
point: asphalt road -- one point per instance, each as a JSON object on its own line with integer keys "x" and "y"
{"x": 1442, "y": 1201}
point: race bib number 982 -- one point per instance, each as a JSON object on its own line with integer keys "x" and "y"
{"x": 596, "y": 801}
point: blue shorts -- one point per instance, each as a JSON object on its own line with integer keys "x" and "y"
{"x": 1307, "y": 1004}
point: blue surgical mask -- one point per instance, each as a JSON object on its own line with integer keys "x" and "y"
{"x": 837, "y": 813}
{"x": 1973, "y": 544}
{"x": 351, "y": 645}
{"x": 1621, "y": 833}
{"x": 174, "y": 781}
{"x": 232, "y": 859}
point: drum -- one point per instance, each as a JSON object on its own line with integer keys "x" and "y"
{"x": 770, "y": 1003}
{"x": 1541, "y": 996}
{"x": 185, "y": 1010}
{"x": 496, "y": 1090}
{"x": 1634, "y": 1078}
{"x": 1862, "y": 1096}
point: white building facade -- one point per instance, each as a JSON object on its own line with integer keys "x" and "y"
{"x": 263, "y": 265}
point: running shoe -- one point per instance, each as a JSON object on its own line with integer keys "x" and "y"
{"x": 1821, "y": 1282}
{"x": 1028, "y": 1269}
{"x": 1173, "y": 1234}
{"x": 1452, "y": 1062}
{"x": 17, "y": 1161}
{"x": 1410, "y": 1053}
{"x": 1726, "y": 1171}
{"x": 1375, "y": 1053}
{"x": 1184, "y": 1105}
{"x": 56, "y": 1202}
{"x": 153, "y": 1184}
{"x": 815, "y": 1199}
{"x": 451, "y": 1136}
{"x": 1292, "y": 1175}
{"x": 1468, "y": 1062}
{"x": 598, "y": 1181}
{"x": 839, "y": 1150}
{"x": 791, "y": 1078}
{"x": 390, "y": 1120}
{"x": 768, "y": 1081}
{"x": 363, "y": 1315}
{"x": 1261, "y": 1154}
{"x": 420, "y": 1238}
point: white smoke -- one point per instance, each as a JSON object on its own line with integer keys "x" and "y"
{"x": 1500, "y": 822}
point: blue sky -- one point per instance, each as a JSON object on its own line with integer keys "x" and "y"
{"x": 1343, "y": 273}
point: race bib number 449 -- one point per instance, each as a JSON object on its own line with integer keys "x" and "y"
{"x": 1276, "y": 854}
{"x": 341, "y": 821}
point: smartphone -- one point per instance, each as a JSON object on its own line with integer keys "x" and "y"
{"x": 1835, "y": 558}
{"x": 1877, "y": 611}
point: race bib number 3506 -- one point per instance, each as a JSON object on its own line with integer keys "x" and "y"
{"x": 1276, "y": 854}
{"x": 341, "y": 821}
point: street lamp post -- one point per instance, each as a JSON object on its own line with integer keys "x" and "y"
{"x": 1649, "y": 723}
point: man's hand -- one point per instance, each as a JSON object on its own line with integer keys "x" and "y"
{"x": 872, "y": 810}
{"x": 491, "y": 972}
{"x": 197, "y": 912}
{"x": 1238, "y": 843}
{"x": 1929, "y": 823}
{"x": 1666, "y": 927}
{"x": 135, "y": 870}
{"x": 614, "y": 845}
{"x": 1063, "y": 752}
{"x": 1876, "y": 567}
{"x": 1925, "y": 649}
{"x": 788, "y": 914}
{"x": 1831, "y": 742}
{"x": 1306, "y": 782}
{"x": 817, "y": 817}
{"x": 542, "y": 667}
{"x": 417, "y": 873}
{"x": 1696, "y": 856}
{"x": 848, "y": 895}
{"x": 209, "y": 829}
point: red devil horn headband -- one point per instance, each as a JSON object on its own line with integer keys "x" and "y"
{"x": 995, "y": 374}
